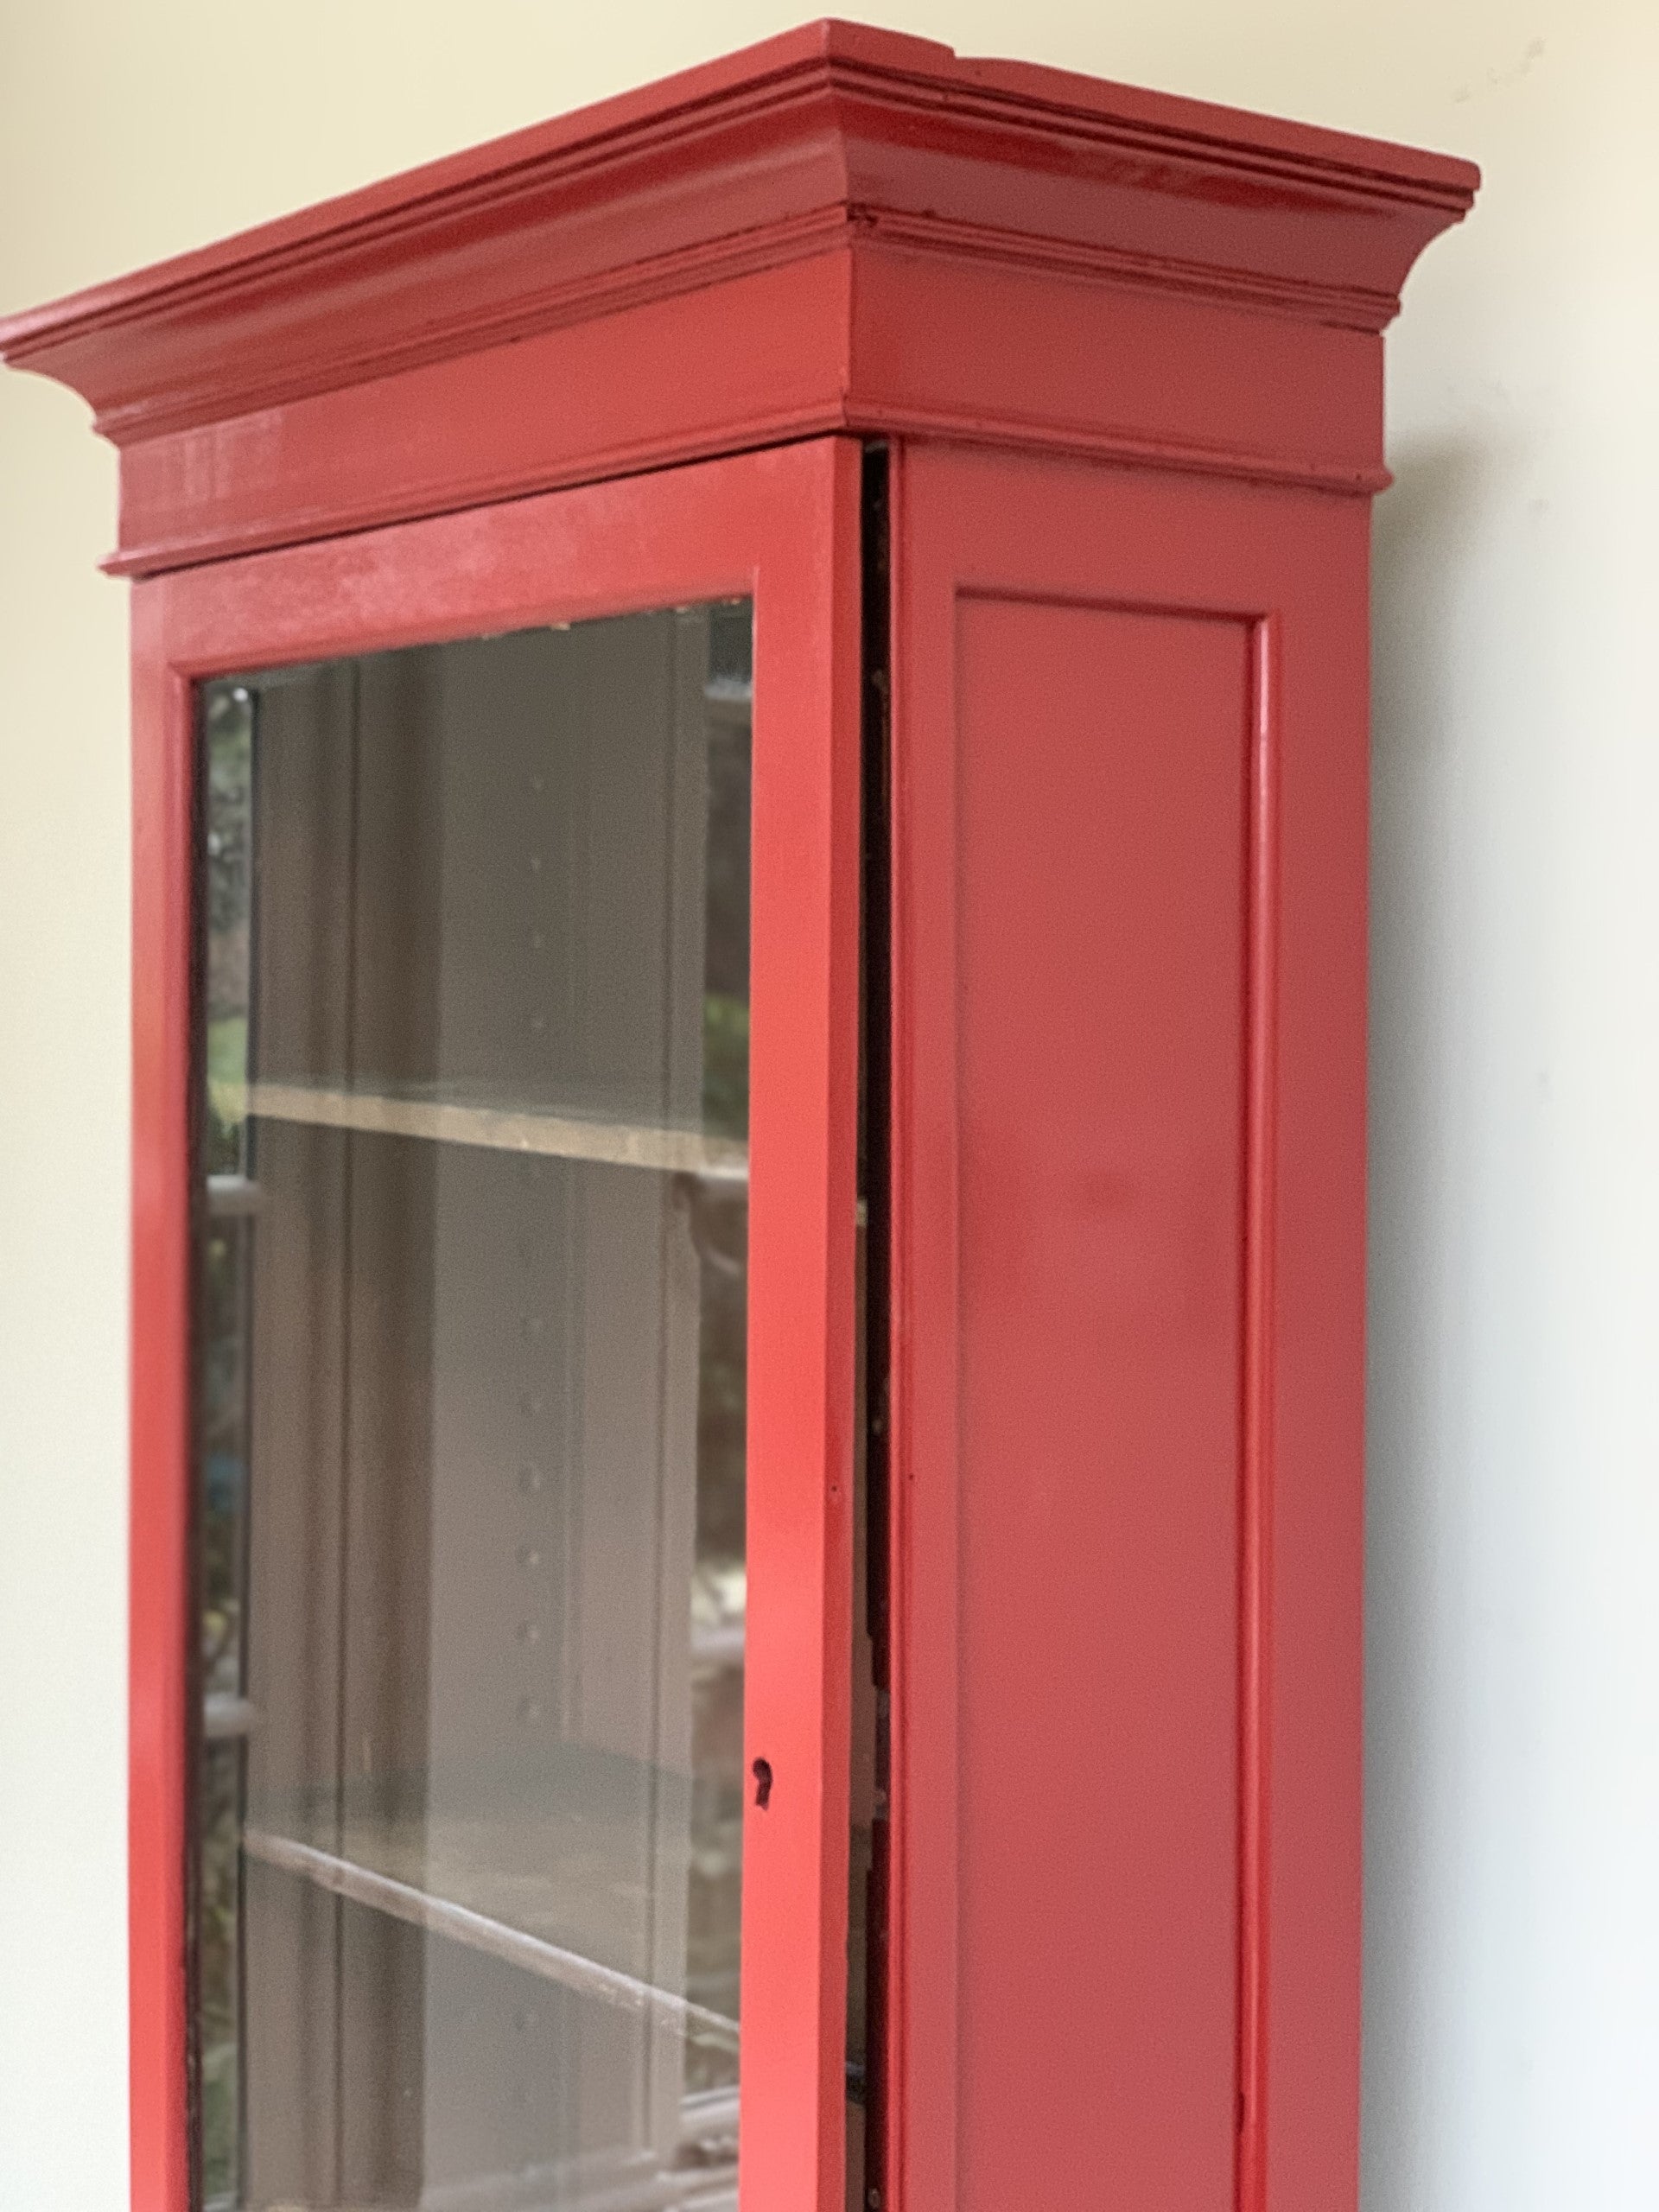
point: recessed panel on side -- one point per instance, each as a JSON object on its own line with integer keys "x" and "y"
{"x": 1103, "y": 770}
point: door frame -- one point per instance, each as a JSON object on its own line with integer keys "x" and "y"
{"x": 780, "y": 526}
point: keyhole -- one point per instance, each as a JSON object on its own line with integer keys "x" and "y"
{"x": 762, "y": 1771}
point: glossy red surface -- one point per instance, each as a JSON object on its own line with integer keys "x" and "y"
{"x": 1129, "y": 963}
{"x": 783, "y": 526}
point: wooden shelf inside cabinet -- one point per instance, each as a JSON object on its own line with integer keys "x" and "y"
{"x": 530, "y": 1866}
{"x": 405, "y": 1871}
{"x": 445, "y": 1117}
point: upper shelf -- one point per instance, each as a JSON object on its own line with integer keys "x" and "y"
{"x": 502, "y": 1128}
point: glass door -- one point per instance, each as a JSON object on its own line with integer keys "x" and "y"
{"x": 476, "y": 1523}
{"x": 472, "y": 1511}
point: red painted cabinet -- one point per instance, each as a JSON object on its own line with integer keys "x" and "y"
{"x": 750, "y": 800}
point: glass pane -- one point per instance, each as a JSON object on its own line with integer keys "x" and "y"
{"x": 472, "y": 1287}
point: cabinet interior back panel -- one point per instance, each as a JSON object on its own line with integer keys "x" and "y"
{"x": 1102, "y": 777}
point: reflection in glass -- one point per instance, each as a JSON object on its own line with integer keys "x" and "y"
{"x": 472, "y": 1289}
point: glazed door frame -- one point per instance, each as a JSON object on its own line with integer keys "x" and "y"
{"x": 781, "y": 527}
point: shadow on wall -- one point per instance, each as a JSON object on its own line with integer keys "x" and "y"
{"x": 1445, "y": 875}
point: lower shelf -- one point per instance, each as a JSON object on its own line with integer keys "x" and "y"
{"x": 459, "y": 1923}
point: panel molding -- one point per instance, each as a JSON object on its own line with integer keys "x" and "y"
{"x": 1256, "y": 1453}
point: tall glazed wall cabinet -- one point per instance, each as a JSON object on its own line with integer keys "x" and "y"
{"x": 750, "y": 798}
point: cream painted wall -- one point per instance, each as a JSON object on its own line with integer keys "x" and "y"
{"x": 1513, "y": 1909}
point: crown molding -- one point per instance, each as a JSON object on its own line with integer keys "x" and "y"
{"x": 841, "y": 229}
{"x": 833, "y": 132}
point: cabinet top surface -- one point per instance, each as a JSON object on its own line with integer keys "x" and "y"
{"x": 832, "y": 135}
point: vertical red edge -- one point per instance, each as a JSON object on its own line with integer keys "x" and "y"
{"x": 1256, "y": 1519}
{"x": 159, "y": 1414}
{"x": 842, "y": 1077}
{"x": 803, "y": 1165}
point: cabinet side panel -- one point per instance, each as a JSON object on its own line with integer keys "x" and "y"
{"x": 1098, "y": 675}
{"x": 1103, "y": 769}
{"x": 1313, "y": 1720}
{"x": 780, "y": 526}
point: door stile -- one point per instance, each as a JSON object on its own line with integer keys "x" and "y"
{"x": 782, "y": 526}
{"x": 804, "y": 1122}
{"x": 1266, "y": 590}
{"x": 160, "y": 1620}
